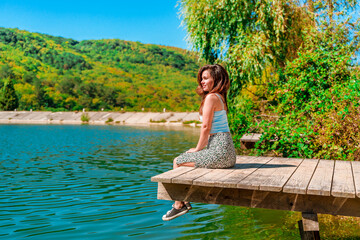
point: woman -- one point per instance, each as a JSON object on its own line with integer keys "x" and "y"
{"x": 213, "y": 83}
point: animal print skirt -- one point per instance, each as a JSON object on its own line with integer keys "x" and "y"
{"x": 219, "y": 153}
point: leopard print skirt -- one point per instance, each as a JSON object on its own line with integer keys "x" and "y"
{"x": 220, "y": 153}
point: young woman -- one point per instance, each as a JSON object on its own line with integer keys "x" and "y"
{"x": 215, "y": 148}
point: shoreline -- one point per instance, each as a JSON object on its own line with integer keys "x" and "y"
{"x": 101, "y": 118}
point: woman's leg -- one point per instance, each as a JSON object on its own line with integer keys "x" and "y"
{"x": 180, "y": 204}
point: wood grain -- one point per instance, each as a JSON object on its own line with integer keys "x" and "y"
{"x": 167, "y": 176}
{"x": 243, "y": 169}
{"x": 343, "y": 181}
{"x": 271, "y": 176}
{"x": 263, "y": 199}
{"x": 301, "y": 178}
{"x": 321, "y": 181}
{"x": 189, "y": 177}
{"x": 310, "y": 222}
{"x": 356, "y": 174}
{"x": 215, "y": 177}
{"x": 212, "y": 178}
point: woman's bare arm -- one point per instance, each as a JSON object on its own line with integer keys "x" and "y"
{"x": 208, "y": 114}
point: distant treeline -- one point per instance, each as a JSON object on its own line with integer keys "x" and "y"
{"x": 55, "y": 73}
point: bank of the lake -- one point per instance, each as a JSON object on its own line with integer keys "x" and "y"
{"x": 99, "y": 118}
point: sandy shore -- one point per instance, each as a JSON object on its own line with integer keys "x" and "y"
{"x": 128, "y": 118}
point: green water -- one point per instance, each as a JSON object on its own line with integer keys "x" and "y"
{"x": 93, "y": 182}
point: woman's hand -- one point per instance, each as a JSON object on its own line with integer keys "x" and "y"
{"x": 191, "y": 150}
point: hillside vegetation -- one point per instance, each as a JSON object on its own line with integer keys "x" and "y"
{"x": 55, "y": 73}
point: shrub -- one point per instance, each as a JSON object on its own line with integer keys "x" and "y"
{"x": 192, "y": 121}
{"x": 110, "y": 120}
{"x": 85, "y": 118}
{"x": 158, "y": 121}
{"x": 313, "y": 101}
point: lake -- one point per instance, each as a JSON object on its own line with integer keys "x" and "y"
{"x": 93, "y": 182}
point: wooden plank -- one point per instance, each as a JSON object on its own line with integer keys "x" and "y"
{"x": 261, "y": 199}
{"x": 356, "y": 174}
{"x": 272, "y": 176}
{"x": 241, "y": 158}
{"x": 189, "y": 177}
{"x": 212, "y": 177}
{"x": 243, "y": 169}
{"x": 343, "y": 181}
{"x": 256, "y": 137}
{"x": 321, "y": 181}
{"x": 167, "y": 176}
{"x": 251, "y": 137}
{"x": 301, "y": 177}
{"x": 246, "y": 137}
{"x": 307, "y": 235}
{"x": 310, "y": 222}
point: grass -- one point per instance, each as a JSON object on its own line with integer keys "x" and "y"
{"x": 159, "y": 121}
{"x": 85, "y": 118}
{"x": 192, "y": 121}
{"x": 110, "y": 120}
{"x": 331, "y": 227}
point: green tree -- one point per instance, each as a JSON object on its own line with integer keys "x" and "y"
{"x": 290, "y": 65}
{"x": 253, "y": 37}
{"x": 42, "y": 98}
{"x": 6, "y": 72}
{"x": 8, "y": 99}
{"x": 248, "y": 35}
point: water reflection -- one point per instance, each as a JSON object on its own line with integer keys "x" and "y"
{"x": 93, "y": 182}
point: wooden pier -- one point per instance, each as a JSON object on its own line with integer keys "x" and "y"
{"x": 309, "y": 186}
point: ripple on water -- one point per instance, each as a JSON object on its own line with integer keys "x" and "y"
{"x": 93, "y": 182}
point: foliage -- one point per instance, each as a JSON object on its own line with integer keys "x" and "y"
{"x": 158, "y": 121}
{"x": 191, "y": 121}
{"x": 85, "y": 117}
{"x": 293, "y": 70}
{"x": 338, "y": 131}
{"x": 331, "y": 227}
{"x": 248, "y": 35}
{"x": 109, "y": 120}
{"x": 8, "y": 98}
{"x": 54, "y": 73}
{"x": 315, "y": 99}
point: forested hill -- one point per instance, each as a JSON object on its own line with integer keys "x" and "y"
{"x": 55, "y": 73}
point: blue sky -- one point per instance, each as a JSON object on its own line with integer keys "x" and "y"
{"x": 146, "y": 21}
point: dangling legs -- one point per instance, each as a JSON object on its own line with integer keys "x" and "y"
{"x": 180, "y": 204}
{"x": 179, "y": 207}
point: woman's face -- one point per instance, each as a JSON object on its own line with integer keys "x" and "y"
{"x": 207, "y": 82}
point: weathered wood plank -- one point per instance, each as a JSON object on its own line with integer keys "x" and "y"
{"x": 321, "y": 181}
{"x": 241, "y": 158}
{"x": 310, "y": 222}
{"x": 167, "y": 176}
{"x": 243, "y": 169}
{"x": 271, "y": 176}
{"x": 301, "y": 177}
{"x": 251, "y": 137}
{"x": 256, "y": 137}
{"x": 212, "y": 177}
{"x": 343, "y": 181}
{"x": 309, "y": 227}
{"x": 247, "y": 137}
{"x": 356, "y": 174}
{"x": 190, "y": 176}
{"x": 260, "y": 199}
